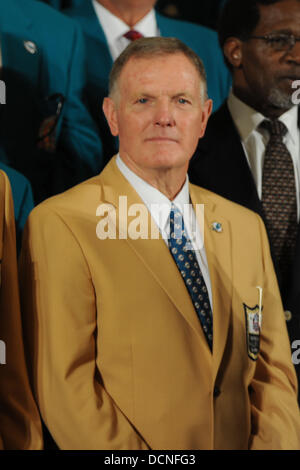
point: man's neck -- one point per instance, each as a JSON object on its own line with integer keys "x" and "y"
{"x": 168, "y": 181}
{"x": 128, "y": 13}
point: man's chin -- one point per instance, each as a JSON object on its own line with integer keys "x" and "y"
{"x": 163, "y": 161}
{"x": 281, "y": 99}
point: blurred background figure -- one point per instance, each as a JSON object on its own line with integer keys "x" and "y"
{"x": 110, "y": 25}
{"x": 205, "y": 12}
{"x": 62, "y": 4}
{"x": 20, "y": 427}
{"x": 250, "y": 153}
{"x": 46, "y": 131}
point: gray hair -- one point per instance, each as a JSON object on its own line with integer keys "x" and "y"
{"x": 154, "y": 47}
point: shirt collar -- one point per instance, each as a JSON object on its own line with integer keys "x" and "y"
{"x": 290, "y": 119}
{"x": 114, "y": 28}
{"x": 157, "y": 203}
{"x": 245, "y": 118}
{"x": 248, "y": 119}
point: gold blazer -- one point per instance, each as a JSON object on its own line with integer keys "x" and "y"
{"x": 119, "y": 359}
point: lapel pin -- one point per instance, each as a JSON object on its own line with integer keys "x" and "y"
{"x": 30, "y": 47}
{"x": 217, "y": 227}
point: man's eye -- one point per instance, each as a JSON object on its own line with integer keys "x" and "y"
{"x": 279, "y": 41}
{"x": 142, "y": 100}
{"x": 182, "y": 101}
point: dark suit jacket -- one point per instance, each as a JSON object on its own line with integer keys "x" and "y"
{"x": 220, "y": 164}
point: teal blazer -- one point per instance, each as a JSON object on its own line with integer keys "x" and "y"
{"x": 99, "y": 61}
{"x": 60, "y": 4}
{"x": 44, "y": 69}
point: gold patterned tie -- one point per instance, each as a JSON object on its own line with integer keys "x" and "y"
{"x": 279, "y": 197}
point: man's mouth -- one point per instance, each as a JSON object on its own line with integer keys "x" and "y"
{"x": 161, "y": 139}
{"x": 291, "y": 78}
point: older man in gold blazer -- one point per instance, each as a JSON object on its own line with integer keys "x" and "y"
{"x": 20, "y": 426}
{"x": 131, "y": 349}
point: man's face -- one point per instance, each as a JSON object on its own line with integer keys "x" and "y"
{"x": 267, "y": 74}
{"x": 159, "y": 114}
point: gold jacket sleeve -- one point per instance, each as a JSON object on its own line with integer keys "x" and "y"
{"x": 274, "y": 387}
{"x": 20, "y": 426}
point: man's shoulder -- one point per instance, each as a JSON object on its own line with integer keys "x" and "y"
{"x": 220, "y": 128}
{"x": 20, "y": 185}
{"x": 187, "y": 31}
{"x": 230, "y": 209}
{"x": 82, "y": 198}
{"x": 4, "y": 181}
{"x": 15, "y": 177}
{"x": 80, "y": 10}
{"x": 46, "y": 20}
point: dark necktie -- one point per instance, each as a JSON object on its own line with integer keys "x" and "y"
{"x": 132, "y": 35}
{"x": 187, "y": 264}
{"x": 279, "y": 197}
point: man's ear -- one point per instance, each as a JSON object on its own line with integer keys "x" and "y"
{"x": 233, "y": 51}
{"x": 206, "y": 112}
{"x": 109, "y": 109}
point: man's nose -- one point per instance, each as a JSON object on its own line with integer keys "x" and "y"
{"x": 164, "y": 114}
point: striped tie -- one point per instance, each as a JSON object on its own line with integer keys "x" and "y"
{"x": 279, "y": 197}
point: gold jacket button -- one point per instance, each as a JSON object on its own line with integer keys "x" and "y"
{"x": 288, "y": 315}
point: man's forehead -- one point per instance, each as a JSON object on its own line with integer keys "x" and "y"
{"x": 283, "y": 15}
{"x": 143, "y": 67}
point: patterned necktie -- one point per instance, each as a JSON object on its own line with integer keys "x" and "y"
{"x": 132, "y": 35}
{"x": 279, "y": 196}
{"x": 186, "y": 261}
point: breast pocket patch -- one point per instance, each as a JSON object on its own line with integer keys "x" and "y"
{"x": 253, "y": 319}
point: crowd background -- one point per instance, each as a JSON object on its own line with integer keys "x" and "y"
{"x": 206, "y": 13}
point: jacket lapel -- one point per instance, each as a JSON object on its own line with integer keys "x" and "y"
{"x": 154, "y": 254}
{"x": 218, "y": 249}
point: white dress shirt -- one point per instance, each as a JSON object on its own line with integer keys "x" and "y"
{"x": 159, "y": 207}
{"x": 255, "y": 140}
{"x": 114, "y": 28}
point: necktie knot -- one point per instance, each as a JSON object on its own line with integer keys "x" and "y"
{"x": 275, "y": 127}
{"x": 132, "y": 35}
